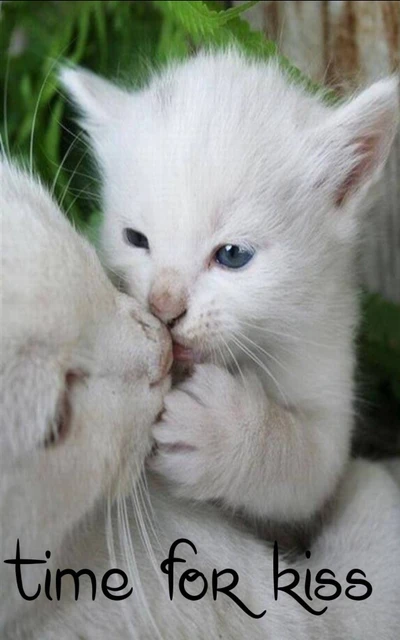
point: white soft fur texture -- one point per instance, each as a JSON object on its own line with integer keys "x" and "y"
{"x": 220, "y": 151}
{"x": 66, "y": 331}
{"x": 80, "y": 362}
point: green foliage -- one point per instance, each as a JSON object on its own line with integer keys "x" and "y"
{"x": 114, "y": 39}
{"x": 380, "y": 349}
{"x": 36, "y": 122}
{"x": 126, "y": 39}
{"x": 207, "y": 27}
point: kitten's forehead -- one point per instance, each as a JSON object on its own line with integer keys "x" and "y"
{"x": 213, "y": 136}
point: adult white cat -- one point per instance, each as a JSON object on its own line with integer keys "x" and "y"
{"x": 232, "y": 203}
{"x": 82, "y": 377}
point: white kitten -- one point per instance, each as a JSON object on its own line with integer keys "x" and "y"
{"x": 232, "y": 205}
{"x": 83, "y": 366}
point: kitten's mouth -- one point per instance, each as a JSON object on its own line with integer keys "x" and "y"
{"x": 185, "y": 354}
{"x": 181, "y": 353}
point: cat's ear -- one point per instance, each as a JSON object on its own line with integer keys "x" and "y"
{"x": 356, "y": 140}
{"x": 98, "y": 100}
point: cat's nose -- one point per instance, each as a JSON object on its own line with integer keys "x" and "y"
{"x": 168, "y": 308}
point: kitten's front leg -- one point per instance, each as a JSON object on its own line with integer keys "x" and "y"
{"x": 221, "y": 438}
{"x": 205, "y": 436}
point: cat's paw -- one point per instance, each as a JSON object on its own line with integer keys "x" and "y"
{"x": 201, "y": 434}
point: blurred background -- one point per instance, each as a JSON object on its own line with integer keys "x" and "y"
{"x": 339, "y": 44}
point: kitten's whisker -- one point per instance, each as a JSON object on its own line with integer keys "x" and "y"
{"x": 267, "y": 353}
{"x": 222, "y": 356}
{"x": 282, "y": 347}
{"x": 233, "y": 358}
{"x": 213, "y": 356}
{"x": 290, "y": 337}
{"x": 261, "y": 364}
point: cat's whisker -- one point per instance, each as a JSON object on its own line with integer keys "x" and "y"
{"x": 66, "y": 154}
{"x": 222, "y": 355}
{"x": 144, "y": 535}
{"x": 82, "y": 140}
{"x": 141, "y": 496}
{"x": 261, "y": 364}
{"x": 72, "y": 204}
{"x": 234, "y": 359}
{"x": 88, "y": 195}
{"x": 35, "y": 113}
{"x": 2, "y": 148}
{"x": 79, "y": 173}
{"x": 286, "y": 347}
{"x": 141, "y": 525}
{"x": 213, "y": 356}
{"x": 131, "y": 562}
{"x": 289, "y": 337}
{"x": 262, "y": 350}
{"x": 147, "y": 505}
{"x": 110, "y": 531}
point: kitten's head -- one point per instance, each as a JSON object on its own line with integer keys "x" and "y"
{"x": 232, "y": 196}
{"x": 83, "y": 373}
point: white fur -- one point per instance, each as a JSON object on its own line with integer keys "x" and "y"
{"x": 223, "y": 150}
{"x": 60, "y": 315}
{"x": 68, "y": 340}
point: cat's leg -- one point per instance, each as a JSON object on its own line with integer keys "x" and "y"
{"x": 222, "y": 438}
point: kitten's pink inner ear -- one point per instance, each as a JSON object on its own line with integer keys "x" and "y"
{"x": 357, "y": 139}
{"x": 367, "y": 152}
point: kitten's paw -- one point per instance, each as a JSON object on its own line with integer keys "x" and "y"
{"x": 199, "y": 438}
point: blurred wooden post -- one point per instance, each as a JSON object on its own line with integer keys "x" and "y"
{"x": 346, "y": 44}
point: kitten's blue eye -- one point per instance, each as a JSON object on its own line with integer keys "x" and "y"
{"x": 233, "y": 256}
{"x": 136, "y": 239}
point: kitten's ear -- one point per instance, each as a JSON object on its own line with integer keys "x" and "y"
{"x": 98, "y": 100}
{"x": 356, "y": 140}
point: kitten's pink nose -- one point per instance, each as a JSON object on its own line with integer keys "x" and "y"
{"x": 169, "y": 308}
